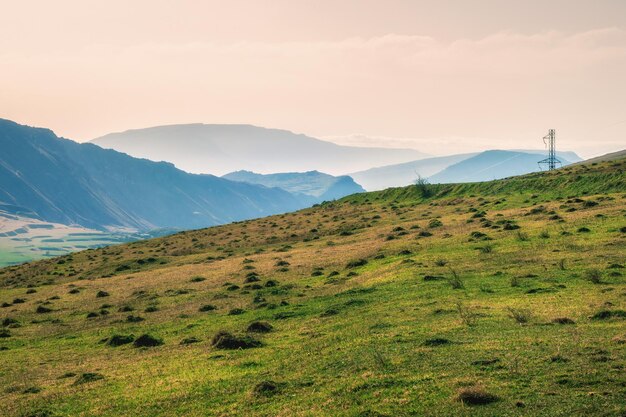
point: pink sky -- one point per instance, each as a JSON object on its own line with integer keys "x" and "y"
{"x": 439, "y": 76}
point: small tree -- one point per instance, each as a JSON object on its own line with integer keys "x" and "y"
{"x": 423, "y": 187}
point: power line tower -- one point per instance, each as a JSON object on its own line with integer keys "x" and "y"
{"x": 551, "y": 161}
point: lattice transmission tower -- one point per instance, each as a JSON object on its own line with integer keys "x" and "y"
{"x": 551, "y": 161}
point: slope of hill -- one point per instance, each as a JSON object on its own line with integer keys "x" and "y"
{"x": 313, "y": 185}
{"x": 219, "y": 149}
{"x": 401, "y": 175}
{"x": 567, "y": 155}
{"x": 490, "y": 165}
{"x": 613, "y": 156}
{"x": 65, "y": 182}
{"x": 499, "y": 298}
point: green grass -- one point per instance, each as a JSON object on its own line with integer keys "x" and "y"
{"x": 376, "y": 339}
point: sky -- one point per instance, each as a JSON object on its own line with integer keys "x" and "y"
{"x": 438, "y": 76}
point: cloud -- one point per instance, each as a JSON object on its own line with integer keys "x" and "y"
{"x": 506, "y": 85}
{"x": 435, "y": 146}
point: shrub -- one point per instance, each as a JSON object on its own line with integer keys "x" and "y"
{"x": 101, "y": 294}
{"x": 226, "y": 340}
{"x": 594, "y": 276}
{"x": 42, "y": 310}
{"x": 207, "y": 307}
{"x": 475, "y": 395}
{"x": 485, "y": 249}
{"x": 266, "y": 388}
{"x": 510, "y": 226}
{"x": 197, "y": 279}
{"x": 479, "y": 235}
{"x": 424, "y": 189}
{"x": 260, "y": 327}
{"x": 330, "y": 312}
{"x": 441, "y": 262}
{"x": 189, "y": 340}
{"x": 10, "y": 322}
{"x": 609, "y": 314}
{"x": 356, "y": 263}
{"x": 563, "y": 320}
{"x": 436, "y": 341}
{"x": 520, "y": 315}
{"x": 468, "y": 317}
{"x": 435, "y": 223}
{"x": 88, "y": 377}
{"x": 455, "y": 281}
{"x": 433, "y": 278}
{"x": 120, "y": 339}
{"x": 236, "y": 311}
{"x": 146, "y": 340}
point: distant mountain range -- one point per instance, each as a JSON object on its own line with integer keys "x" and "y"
{"x": 220, "y": 149}
{"x": 311, "y": 187}
{"x": 61, "y": 181}
{"x": 470, "y": 167}
{"x": 400, "y": 175}
{"x": 491, "y": 165}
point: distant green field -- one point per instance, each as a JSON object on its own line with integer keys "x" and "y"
{"x": 18, "y": 250}
{"x": 28, "y": 245}
{"x": 9, "y": 256}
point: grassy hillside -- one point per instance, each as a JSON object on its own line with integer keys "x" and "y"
{"x": 501, "y": 298}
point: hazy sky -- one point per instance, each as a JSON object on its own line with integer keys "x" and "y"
{"x": 440, "y": 76}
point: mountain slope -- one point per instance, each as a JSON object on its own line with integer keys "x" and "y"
{"x": 490, "y": 165}
{"x": 65, "y": 182}
{"x": 488, "y": 299}
{"x": 400, "y": 175}
{"x": 219, "y": 149}
{"x": 320, "y": 186}
{"x": 613, "y": 156}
